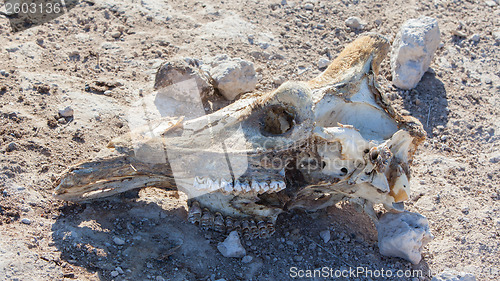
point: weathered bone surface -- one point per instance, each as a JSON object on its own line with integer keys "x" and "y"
{"x": 304, "y": 145}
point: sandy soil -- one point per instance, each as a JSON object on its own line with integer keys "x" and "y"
{"x": 121, "y": 43}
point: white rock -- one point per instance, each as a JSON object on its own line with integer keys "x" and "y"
{"x": 231, "y": 247}
{"x": 323, "y": 62}
{"x": 496, "y": 36}
{"x": 232, "y": 76}
{"x": 309, "y": 6}
{"x": 119, "y": 241}
{"x": 354, "y": 23}
{"x": 114, "y": 273}
{"x": 403, "y": 235}
{"x": 475, "y": 38}
{"x": 413, "y": 50}
{"x": 66, "y": 112}
{"x": 26, "y": 221}
{"x": 325, "y": 235}
{"x": 490, "y": 3}
{"x": 452, "y": 275}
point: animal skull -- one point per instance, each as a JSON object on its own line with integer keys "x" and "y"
{"x": 304, "y": 145}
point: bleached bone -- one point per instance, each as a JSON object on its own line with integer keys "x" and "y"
{"x": 304, "y": 145}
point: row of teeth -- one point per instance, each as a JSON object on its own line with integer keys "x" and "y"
{"x": 248, "y": 228}
{"x": 238, "y": 187}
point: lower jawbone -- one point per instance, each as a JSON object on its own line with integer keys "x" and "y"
{"x": 305, "y": 145}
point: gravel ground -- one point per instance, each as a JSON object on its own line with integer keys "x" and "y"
{"x": 102, "y": 55}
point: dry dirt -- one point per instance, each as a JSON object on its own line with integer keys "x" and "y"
{"x": 455, "y": 180}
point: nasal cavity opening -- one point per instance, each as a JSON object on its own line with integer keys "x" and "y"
{"x": 277, "y": 120}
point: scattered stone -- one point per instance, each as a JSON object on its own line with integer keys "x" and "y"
{"x": 495, "y": 159}
{"x": 232, "y": 76}
{"x": 231, "y": 247}
{"x": 475, "y": 38}
{"x": 119, "y": 241}
{"x": 26, "y": 221}
{"x": 403, "y": 235}
{"x": 354, "y": 23}
{"x": 116, "y": 34}
{"x": 298, "y": 258}
{"x": 12, "y": 48}
{"x": 119, "y": 270}
{"x": 247, "y": 259}
{"x": 108, "y": 93}
{"x": 3, "y": 72}
{"x": 325, "y": 235}
{"x": 323, "y": 63}
{"x": 413, "y": 50}
{"x": 459, "y": 33}
{"x": 496, "y": 36}
{"x": 309, "y": 6}
{"x": 490, "y": 3}
{"x": 279, "y": 80}
{"x": 114, "y": 273}
{"x": 11, "y": 147}
{"x": 74, "y": 53}
{"x": 66, "y": 112}
{"x": 174, "y": 77}
{"x": 452, "y": 275}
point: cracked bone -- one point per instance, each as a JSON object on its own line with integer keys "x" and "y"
{"x": 333, "y": 138}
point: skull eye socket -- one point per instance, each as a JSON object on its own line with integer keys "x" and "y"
{"x": 277, "y": 120}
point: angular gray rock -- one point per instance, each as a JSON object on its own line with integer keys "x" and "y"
{"x": 231, "y": 247}
{"x": 66, "y": 112}
{"x": 232, "y": 76}
{"x": 452, "y": 275}
{"x": 413, "y": 50}
{"x": 323, "y": 63}
{"x": 354, "y": 23}
{"x": 325, "y": 235}
{"x": 403, "y": 235}
{"x": 178, "y": 77}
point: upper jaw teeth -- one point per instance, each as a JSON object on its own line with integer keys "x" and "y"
{"x": 226, "y": 186}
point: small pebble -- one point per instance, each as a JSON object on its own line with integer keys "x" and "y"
{"x": 67, "y": 112}
{"x": 114, "y": 273}
{"x": 309, "y": 6}
{"x": 116, "y": 34}
{"x": 459, "y": 33}
{"x": 325, "y": 235}
{"x": 26, "y": 221}
{"x": 323, "y": 62}
{"x": 119, "y": 270}
{"x": 490, "y": 3}
{"x": 496, "y": 36}
{"x": 119, "y": 241}
{"x": 107, "y": 93}
{"x": 475, "y": 38}
{"x": 298, "y": 258}
{"x": 247, "y": 259}
{"x": 353, "y": 22}
{"x": 73, "y": 53}
{"x": 11, "y": 147}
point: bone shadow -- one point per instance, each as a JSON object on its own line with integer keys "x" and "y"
{"x": 433, "y": 108}
{"x": 85, "y": 234}
{"x": 141, "y": 238}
